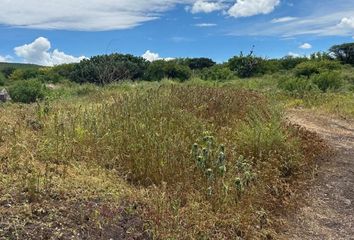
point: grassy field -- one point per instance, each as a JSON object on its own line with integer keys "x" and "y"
{"x": 164, "y": 160}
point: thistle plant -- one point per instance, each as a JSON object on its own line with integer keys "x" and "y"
{"x": 245, "y": 175}
{"x": 210, "y": 160}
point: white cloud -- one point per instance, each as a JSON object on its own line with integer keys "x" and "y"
{"x": 38, "y": 52}
{"x": 247, "y": 8}
{"x": 283, "y": 19}
{"x": 151, "y": 56}
{"x": 347, "y": 23}
{"x": 321, "y": 23}
{"x": 87, "y": 15}
{"x": 292, "y": 54}
{"x": 305, "y": 46}
{"x": 205, "y": 25}
{"x": 6, "y": 58}
{"x": 204, "y": 6}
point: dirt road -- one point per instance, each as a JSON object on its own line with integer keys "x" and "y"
{"x": 329, "y": 209}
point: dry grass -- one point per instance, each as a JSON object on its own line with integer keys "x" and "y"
{"x": 194, "y": 162}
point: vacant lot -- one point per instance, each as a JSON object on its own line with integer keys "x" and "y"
{"x": 144, "y": 161}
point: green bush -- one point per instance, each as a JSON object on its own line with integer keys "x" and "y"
{"x": 246, "y": 66}
{"x": 158, "y": 70}
{"x": 217, "y": 73}
{"x": 24, "y": 74}
{"x": 49, "y": 75}
{"x": 289, "y": 62}
{"x": 108, "y": 68}
{"x": 297, "y": 85}
{"x": 328, "y": 81}
{"x": 27, "y": 91}
{"x": 64, "y": 70}
{"x": 7, "y": 71}
{"x": 309, "y": 68}
{"x": 2, "y": 79}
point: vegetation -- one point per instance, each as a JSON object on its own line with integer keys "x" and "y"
{"x": 344, "y": 53}
{"x": 246, "y": 66}
{"x": 27, "y": 91}
{"x": 117, "y": 147}
{"x": 199, "y": 152}
{"x": 109, "y": 68}
{"x": 167, "y": 69}
{"x": 200, "y": 63}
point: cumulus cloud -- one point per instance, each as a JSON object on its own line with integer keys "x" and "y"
{"x": 247, "y": 8}
{"x": 305, "y": 46}
{"x": 347, "y": 23}
{"x": 38, "y": 52}
{"x": 205, "y": 25}
{"x": 283, "y": 19}
{"x": 204, "y": 6}
{"x": 151, "y": 56}
{"x": 88, "y": 15}
{"x": 292, "y": 54}
{"x": 6, "y": 58}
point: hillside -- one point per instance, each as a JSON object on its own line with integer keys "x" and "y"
{"x": 17, "y": 65}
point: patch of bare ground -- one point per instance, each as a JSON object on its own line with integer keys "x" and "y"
{"x": 70, "y": 219}
{"x": 328, "y": 212}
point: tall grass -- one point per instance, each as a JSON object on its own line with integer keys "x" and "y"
{"x": 213, "y": 162}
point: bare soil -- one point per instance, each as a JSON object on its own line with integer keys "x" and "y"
{"x": 328, "y": 212}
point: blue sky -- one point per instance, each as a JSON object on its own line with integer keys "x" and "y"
{"x": 59, "y": 31}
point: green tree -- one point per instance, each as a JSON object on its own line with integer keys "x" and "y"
{"x": 344, "y": 53}
{"x": 200, "y": 63}
{"x": 246, "y": 66}
{"x": 24, "y": 74}
{"x": 109, "y": 68}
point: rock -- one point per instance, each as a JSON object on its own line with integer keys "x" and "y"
{"x": 4, "y": 96}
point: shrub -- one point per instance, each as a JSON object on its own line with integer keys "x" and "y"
{"x": 49, "y": 75}
{"x": 64, "y": 70}
{"x": 27, "y": 91}
{"x": 109, "y": 68}
{"x": 167, "y": 69}
{"x": 307, "y": 69}
{"x": 217, "y": 73}
{"x": 200, "y": 63}
{"x": 297, "y": 85}
{"x": 2, "y": 79}
{"x": 7, "y": 71}
{"x": 328, "y": 81}
{"x": 289, "y": 62}
{"x": 24, "y": 74}
{"x": 246, "y": 66}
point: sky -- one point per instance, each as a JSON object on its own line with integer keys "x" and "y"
{"x": 62, "y": 31}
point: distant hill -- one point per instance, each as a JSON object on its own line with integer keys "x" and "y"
{"x": 18, "y": 65}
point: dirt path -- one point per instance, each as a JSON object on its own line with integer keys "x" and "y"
{"x": 329, "y": 212}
